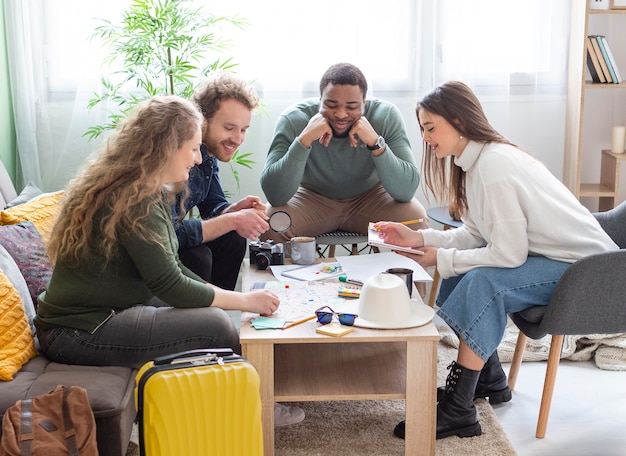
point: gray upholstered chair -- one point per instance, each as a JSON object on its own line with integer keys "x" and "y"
{"x": 589, "y": 299}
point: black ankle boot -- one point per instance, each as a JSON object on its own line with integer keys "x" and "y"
{"x": 492, "y": 383}
{"x": 456, "y": 413}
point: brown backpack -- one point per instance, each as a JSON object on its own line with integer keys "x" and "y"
{"x": 58, "y": 423}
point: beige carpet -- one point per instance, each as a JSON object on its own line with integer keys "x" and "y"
{"x": 359, "y": 428}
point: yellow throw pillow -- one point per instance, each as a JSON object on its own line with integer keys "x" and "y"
{"x": 17, "y": 345}
{"x": 42, "y": 211}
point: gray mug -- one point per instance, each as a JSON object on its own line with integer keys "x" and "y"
{"x": 405, "y": 274}
{"x": 302, "y": 249}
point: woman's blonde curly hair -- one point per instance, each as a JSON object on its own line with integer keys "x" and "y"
{"x": 116, "y": 187}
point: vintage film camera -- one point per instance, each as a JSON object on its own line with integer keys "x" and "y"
{"x": 264, "y": 254}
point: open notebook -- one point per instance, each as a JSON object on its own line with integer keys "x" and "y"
{"x": 374, "y": 239}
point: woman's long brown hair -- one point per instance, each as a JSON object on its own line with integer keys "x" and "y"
{"x": 459, "y": 106}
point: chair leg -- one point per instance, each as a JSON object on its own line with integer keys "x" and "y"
{"x": 516, "y": 362}
{"x": 548, "y": 386}
{"x": 355, "y": 249}
{"x": 436, "y": 279}
{"x": 433, "y": 288}
{"x": 331, "y": 251}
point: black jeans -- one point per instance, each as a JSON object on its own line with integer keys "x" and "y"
{"x": 137, "y": 335}
{"x": 217, "y": 261}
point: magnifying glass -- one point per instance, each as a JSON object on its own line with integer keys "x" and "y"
{"x": 280, "y": 221}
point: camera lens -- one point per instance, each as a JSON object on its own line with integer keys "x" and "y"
{"x": 262, "y": 261}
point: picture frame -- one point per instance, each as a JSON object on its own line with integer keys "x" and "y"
{"x": 618, "y": 4}
{"x": 600, "y": 4}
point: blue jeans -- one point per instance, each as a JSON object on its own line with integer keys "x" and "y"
{"x": 137, "y": 335}
{"x": 225, "y": 253}
{"x": 475, "y": 305}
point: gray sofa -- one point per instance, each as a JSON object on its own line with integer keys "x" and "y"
{"x": 110, "y": 389}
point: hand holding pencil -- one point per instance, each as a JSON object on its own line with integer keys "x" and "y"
{"x": 398, "y": 233}
{"x": 377, "y": 225}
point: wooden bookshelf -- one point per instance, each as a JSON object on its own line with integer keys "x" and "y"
{"x": 582, "y": 125}
{"x": 607, "y": 189}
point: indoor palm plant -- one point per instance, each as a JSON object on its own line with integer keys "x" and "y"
{"x": 161, "y": 47}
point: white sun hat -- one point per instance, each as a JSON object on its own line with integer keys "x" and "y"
{"x": 385, "y": 304}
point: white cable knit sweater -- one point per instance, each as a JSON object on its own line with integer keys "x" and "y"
{"x": 517, "y": 208}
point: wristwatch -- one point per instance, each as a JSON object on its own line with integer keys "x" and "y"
{"x": 380, "y": 143}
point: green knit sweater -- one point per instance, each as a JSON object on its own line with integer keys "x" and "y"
{"x": 339, "y": 171}
{"x": 84, "y": 297}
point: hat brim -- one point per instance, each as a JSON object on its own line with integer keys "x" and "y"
{"x": 420, "y": 315}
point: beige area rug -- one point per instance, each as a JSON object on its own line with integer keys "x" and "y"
{"x": 359, "y": 428}
{"x": 607, "y": 350}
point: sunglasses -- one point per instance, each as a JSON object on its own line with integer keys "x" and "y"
{"x": 324, "y": 317}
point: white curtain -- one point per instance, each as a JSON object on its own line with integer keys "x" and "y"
{"x": 512, "y": 52}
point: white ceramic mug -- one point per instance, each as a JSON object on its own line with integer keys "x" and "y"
{"x": 302, "y": 249}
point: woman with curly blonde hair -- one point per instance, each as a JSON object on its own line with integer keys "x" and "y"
{"x": 118, "y": 294}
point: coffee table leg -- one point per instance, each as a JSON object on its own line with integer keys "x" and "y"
{"x": 421, "y": 398}
{"x": 262, "y": 358}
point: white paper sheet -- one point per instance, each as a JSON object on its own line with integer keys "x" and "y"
{"x": 308, "y": 273}
{"x": 362, "y": 267}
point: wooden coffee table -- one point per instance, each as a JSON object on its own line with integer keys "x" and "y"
{"x": 297, "y": 364}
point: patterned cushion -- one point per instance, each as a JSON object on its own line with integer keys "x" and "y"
{"x": 17, "y": 345}
{"x": 25, "y": 245}
{"x": 13, "y": 273}
{"x": 42, "y": 211}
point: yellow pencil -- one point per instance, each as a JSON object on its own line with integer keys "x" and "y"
{"x": 411, "y": 222}
{"x": 297, "y": 322}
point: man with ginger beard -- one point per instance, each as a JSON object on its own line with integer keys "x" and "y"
{"x": 214, "y": 246}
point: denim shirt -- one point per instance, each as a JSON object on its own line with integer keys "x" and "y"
{"x": 205, "y": 193}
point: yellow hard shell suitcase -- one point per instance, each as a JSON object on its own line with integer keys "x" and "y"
{"x": 199, "y": 402}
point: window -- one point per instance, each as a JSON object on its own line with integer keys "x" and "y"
{"x": 291, "y": 41}
{"x": 495, "y": 42}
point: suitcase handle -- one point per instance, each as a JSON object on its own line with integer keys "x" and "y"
{"x": 202, "y": 352}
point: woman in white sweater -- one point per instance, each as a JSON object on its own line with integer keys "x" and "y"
{"x": 522, "y": 229}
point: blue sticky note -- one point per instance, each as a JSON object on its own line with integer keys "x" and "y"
{"x": 267, "y": 323}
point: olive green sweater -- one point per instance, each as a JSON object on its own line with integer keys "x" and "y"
{"x": 84, "y": 297}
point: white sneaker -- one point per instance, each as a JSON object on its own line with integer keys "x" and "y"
{"x": 285, "y": 415}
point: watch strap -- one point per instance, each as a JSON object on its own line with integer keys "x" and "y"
{"x": 380, "y": 142}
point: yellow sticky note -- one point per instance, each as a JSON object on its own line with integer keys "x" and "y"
{"x": 334, "y": 329}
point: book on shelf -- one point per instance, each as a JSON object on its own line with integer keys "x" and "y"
{"x": 618, "y": 77}
{"x": 605, "y": 56}
{"x": 592, "y": 63}
{"x": 605, "y": 68}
